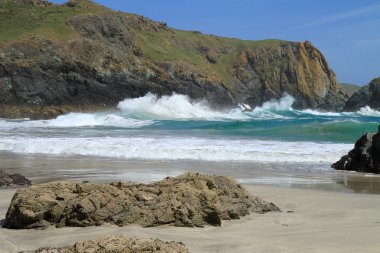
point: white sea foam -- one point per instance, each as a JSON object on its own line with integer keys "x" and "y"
{"x": 174, "y": 148}
{"x": 182, "y": 107}
{"x": 173, "y": 107}
{"x": 78, "y": 120}
{"x": 318, "y": 113}
{"x": 368, "y": 111}
{"x": 283, "y": 104}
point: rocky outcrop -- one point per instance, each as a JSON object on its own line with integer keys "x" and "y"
{"x": 7, "y": 180}
{"x": 118, "y": 244}
{"x": 367, "y": 96}
{"x": 188, "y": 200}
{"x": 93, "y": 57}
{"x": 365, "y": 157}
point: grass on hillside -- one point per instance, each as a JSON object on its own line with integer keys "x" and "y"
{"x": 17, "y": 20}
{"x": 163, "y": 46}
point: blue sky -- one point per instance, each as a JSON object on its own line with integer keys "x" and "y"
{"x": 346, "y": 31}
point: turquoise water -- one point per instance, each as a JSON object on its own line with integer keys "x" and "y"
{"x": 177, "y": 128}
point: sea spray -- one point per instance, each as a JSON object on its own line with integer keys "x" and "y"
{"x": 172, "y": 107}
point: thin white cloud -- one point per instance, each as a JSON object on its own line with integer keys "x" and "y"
{"x": 368, "y": 43}
{"x": 375, "y": 8}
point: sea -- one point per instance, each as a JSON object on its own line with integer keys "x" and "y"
{"x": 148, "y": 138}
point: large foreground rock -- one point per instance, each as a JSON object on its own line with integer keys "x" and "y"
{"x": 365, "y": 157}
{"x": 188, "y": 200}
{"x": 7, "y": 179}
{"x": 118, "y": 244}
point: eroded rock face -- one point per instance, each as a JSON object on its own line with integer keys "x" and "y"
{"x": 369, "y": 95}
{"x": 365, "y": 157}
{"x": 118, "y": 244}
{"x": 7, "y": 179}
{"x": 188, "y": 200}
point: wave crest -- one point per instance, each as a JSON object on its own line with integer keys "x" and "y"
{"x": 175, "y": 106}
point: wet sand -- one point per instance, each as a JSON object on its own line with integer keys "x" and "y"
{"x": 311, "y": 221}
{"x": 40, "y": 169}
{"x": 323, "y": 210}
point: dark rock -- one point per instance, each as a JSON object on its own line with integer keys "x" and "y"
{"x": 118, "y": 244}
{"x": 7, "y": 179}
{"x": 369, "y": 95}
{"x": 187, "y": 200}
{"x": 365, "y": 157}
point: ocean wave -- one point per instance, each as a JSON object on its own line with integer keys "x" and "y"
{"x": 181, "y": 107}
{"x": 368, "y": 111}
{"x": 147, "y": 110}
{"x": 173, "y": 107}
{"x": 177, "y": 148}
{"x": 77, "y": 120}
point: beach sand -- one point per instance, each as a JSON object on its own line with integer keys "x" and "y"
{"x": 311, "y": 221}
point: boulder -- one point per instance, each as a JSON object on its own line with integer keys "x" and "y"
{"x": 118, "y": 244}
{"x": 190, "y": 200}
{"x": 365, "y": 157}
{"x": 7, "y": 179}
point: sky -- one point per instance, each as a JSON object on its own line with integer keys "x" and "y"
{"x": 346, "y": 31}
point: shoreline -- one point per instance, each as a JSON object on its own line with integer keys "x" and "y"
{"x": 43, "y": 168}
{"x": 311, "y": 221}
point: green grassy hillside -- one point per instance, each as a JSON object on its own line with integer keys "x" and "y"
{"x": 18, "y": 21}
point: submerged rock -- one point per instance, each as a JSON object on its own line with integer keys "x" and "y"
{"x": 7, "y": 179}
{"x": 190, "y": 200}
{"x": 118, "y": 244}
{"x": 365, "y": 157}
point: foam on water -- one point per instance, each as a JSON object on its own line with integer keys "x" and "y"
{"x": 368, "y": 111}
{"x": 174, "y": 148}
{"x": 173, "y": 107}
{"x": 144, "y": 111}
{"x": 78, "y": 120}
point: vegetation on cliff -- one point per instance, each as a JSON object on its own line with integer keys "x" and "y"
{"x": 81, "y": 56}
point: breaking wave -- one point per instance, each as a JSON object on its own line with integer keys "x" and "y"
{"x": 177, "y": 148}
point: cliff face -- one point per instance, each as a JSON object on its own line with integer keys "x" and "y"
{"x": 369, "y": 95}
{"x": 82, "y": 56}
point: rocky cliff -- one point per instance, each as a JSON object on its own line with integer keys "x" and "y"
{"x": 83, "y": 56}
{"x": 369, "y": 95}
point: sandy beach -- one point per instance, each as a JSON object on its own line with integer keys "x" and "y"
{"x": 311, "y": 221}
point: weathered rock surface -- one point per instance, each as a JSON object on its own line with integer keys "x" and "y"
{"x": 347, "y": 90}
{"x": 369, "y": 95}
{"x": 188, "y": 200}
{"x": 7, "y": 179}
{"x": 365, "y": 157}
{"x": 99, "y": 57}
{"x": 118, "y": 244}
